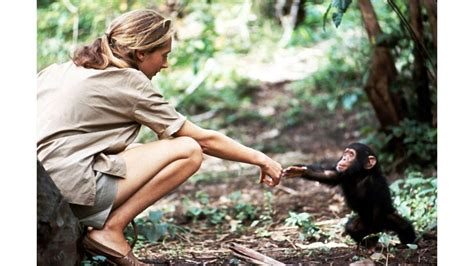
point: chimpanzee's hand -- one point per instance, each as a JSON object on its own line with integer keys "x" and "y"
{"x": 294, "y": 171}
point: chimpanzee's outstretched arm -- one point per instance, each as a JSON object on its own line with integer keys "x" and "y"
{"x": 324, "y": 175}
{"x": 314, "y": 172}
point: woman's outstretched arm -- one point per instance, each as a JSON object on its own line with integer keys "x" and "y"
{"x": 219, "y": 145}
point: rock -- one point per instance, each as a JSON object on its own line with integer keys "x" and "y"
{"x": 58, "y": 230}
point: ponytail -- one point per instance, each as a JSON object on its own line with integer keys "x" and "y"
{"x": 140, "y": 30}
{"x": 98, "y": 55}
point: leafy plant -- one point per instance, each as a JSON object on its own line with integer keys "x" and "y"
{"x": 245, "y": 211}
{"x": 338, "y": 81}
{"x": 262, "y": 232}
{"x": 303, "y": 221}
{"x": 341, "y": 7}
{"x": 297, "y": 219}
{"x": 420, "y": 140}
{"x": 416, "y": 198}
{"x": 267, "y": 212}
{"x": 153, "y": 228}
{"x": 198, "y": 209}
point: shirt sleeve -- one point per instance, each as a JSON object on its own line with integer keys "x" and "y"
{"x": 153, "y": 111}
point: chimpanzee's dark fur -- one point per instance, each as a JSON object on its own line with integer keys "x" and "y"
{"x": 367, "y": 193}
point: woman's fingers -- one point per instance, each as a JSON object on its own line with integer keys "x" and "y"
{"x": 271, "y": 173}
{"x": 262, "y": 177}
{"x": 269, "y": 181}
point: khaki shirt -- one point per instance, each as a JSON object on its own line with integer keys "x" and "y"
{"x": 86, "y": 117}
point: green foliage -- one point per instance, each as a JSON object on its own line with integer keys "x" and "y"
{"x": 420, "y": 140}
{"x": 341, "y": 6}
{"x": 335, "y": 85}
{"x": 416, "y": 199}
{"x": 303, "y": 220}
{"x": 93, "y": 261}
{"x": 197, "y": 208}
{"x": 227, "y": 98}
{"x": 338, "y": 81}
{"x": 297, "y": 219}
{"x": 215, "y": 215}
{"x": 308, "y": 32}
{"x": 57, "y": 23}
{"x": 195, "y": 48}
{"x": 313, "y": 29}
{"x": 153, "y": 228}
{"x": 245, "y": 211}
{"x": 266, "y": 215}
{"x": 293, "y": 114}
{"x": 384, "y": 239}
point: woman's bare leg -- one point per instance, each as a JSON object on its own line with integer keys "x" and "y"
{"x": 153, "y": 170}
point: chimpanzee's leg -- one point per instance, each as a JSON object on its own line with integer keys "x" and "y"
{"x": 358, "y": 230}
{"x": 402, "y": 227}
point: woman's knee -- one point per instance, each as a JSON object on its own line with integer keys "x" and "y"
{"x": 192, "y": 150}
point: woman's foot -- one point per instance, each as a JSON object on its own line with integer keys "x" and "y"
{"x": 112, "y": 239}
{"x": 115, "y": 258}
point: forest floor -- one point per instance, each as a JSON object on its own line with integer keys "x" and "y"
{"x": 207, "y": 244}
{"x": 207, "y": 236}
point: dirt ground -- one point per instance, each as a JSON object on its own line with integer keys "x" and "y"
{"x": 318, "y": 140}
{"x": 208, "y": 245}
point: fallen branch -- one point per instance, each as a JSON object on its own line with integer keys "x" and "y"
{"x": 287, "y": 190}
{"x": 191, "y": 261}
{"x": 252, "y": 256}
{"x": 319, "y": 245}
{"x": 208, "y": 262}
{"x": 291, "y": 243}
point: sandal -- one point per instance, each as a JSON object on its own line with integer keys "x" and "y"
{"x": 114, "y": 257}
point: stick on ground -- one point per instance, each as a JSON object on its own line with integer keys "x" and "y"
{"x": 252, "y": 256}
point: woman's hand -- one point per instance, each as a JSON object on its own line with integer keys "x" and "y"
{"x": 270, "y": 172}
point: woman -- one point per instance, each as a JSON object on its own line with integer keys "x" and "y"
{"x": 89, "y": 112}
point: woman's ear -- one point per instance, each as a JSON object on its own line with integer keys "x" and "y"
{"x": 140, "y": 55}
{"x": 371, "y": 161}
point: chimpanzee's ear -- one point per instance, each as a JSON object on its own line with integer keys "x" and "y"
{"x": 371, "y": 161}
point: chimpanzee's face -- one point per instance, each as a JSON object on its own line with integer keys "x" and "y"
{"x": 347, "y": 160}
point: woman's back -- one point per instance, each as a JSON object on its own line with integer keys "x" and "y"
{"x": 85, "y": 116}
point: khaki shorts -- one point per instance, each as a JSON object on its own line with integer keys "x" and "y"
{"x": 96, "y": 215}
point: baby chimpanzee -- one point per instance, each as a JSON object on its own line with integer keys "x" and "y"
{"x": 365, "y": 190}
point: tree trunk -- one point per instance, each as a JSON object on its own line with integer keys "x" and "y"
{"x": 420, "y": 72}
{"x": 389, "y": 106}
{"x": 430, "y": 6}
{"x": 294, "y": 8}
{"x": 58, "y": 230}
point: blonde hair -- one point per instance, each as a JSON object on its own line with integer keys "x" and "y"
{"x": 139, "y": 30}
